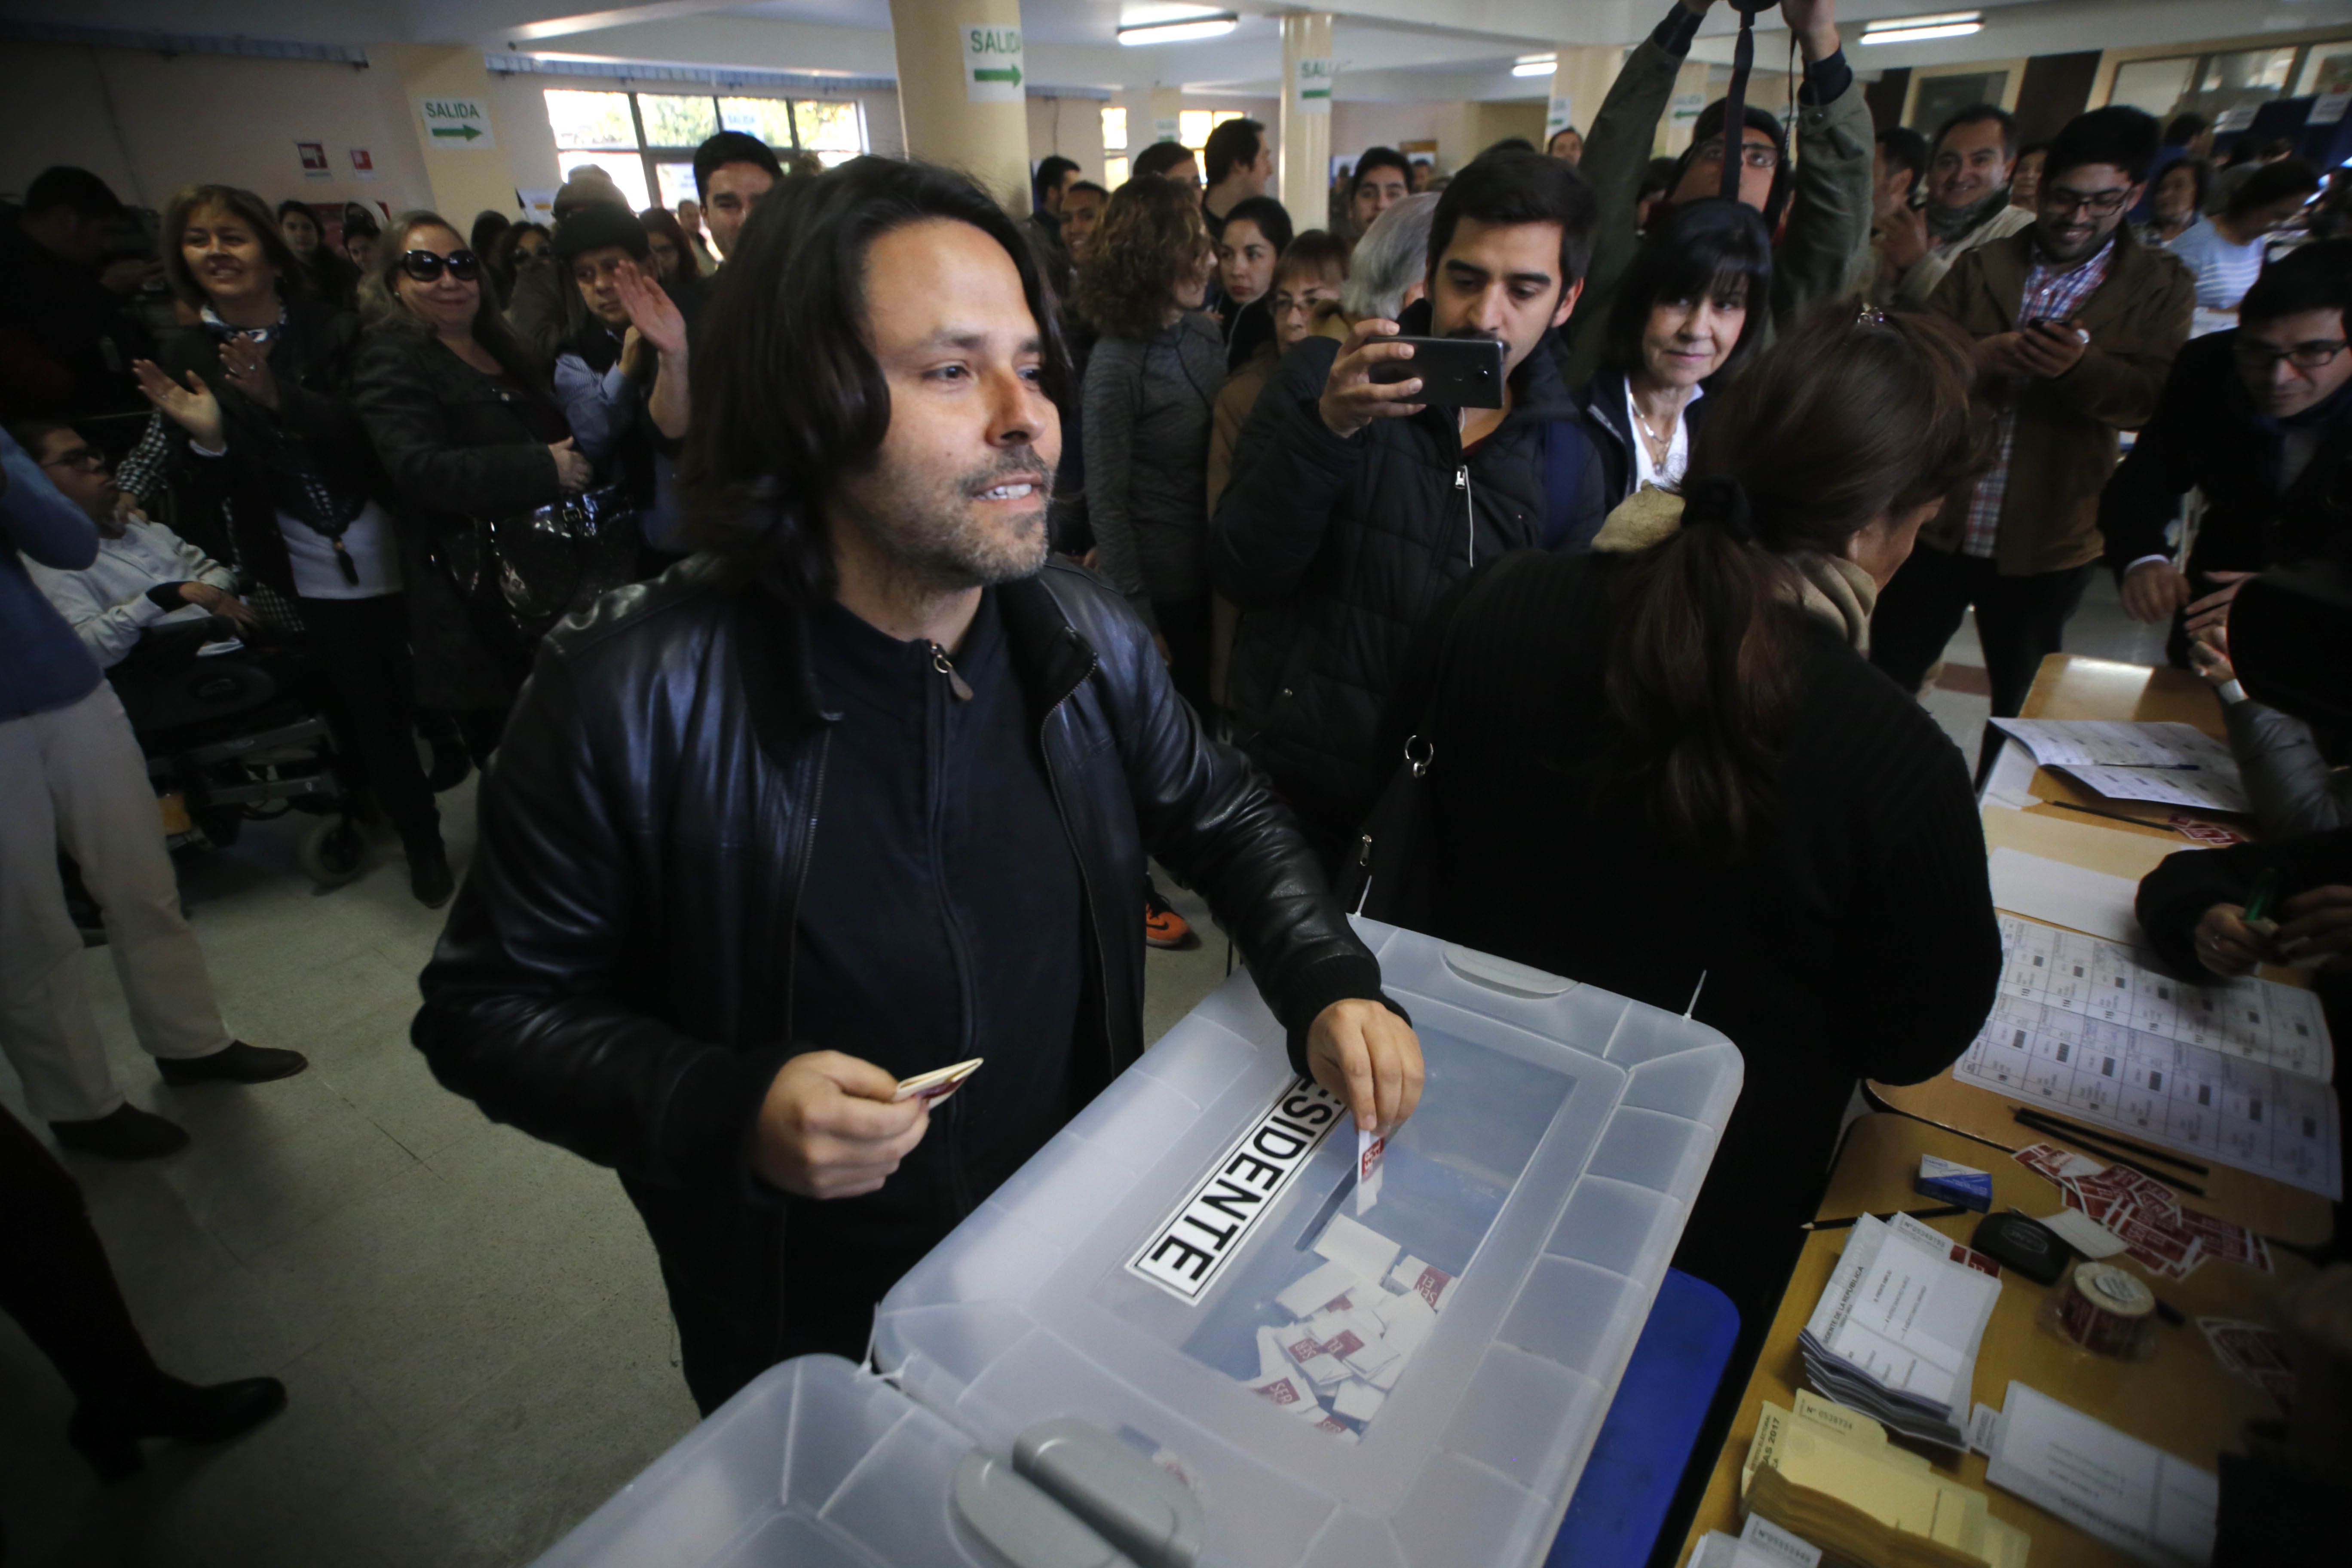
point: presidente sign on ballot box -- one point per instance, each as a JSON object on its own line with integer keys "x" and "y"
{"x": 1175, "y": 1337}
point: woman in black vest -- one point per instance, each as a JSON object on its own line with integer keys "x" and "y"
{"x": 258, "y": 392}
{"x": 1672, "y": 766}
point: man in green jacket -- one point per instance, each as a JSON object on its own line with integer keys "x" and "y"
{"x": 1827, "y": 197}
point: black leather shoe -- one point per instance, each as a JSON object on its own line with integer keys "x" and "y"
{"x": 239, "y": 1063}
{"x": 109, "y": 1435}
{"x": 130, "y": 1133}
{"x": 429, "y": 878}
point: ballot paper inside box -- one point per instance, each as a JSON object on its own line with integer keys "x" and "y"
{"x": 1561, "y": 1137}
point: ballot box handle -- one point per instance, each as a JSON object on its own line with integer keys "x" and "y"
{"x": 1502, "y": 975}
{"x": 1134, "y": 1504}
{"x": 1027, "y": 1528}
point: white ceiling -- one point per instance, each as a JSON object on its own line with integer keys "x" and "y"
{"x": 1388, "y": 49}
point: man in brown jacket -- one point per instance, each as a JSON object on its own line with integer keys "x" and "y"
{"x": 2076, "y": 326}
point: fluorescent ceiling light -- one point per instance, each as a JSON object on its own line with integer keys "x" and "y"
{"x": 1921, "y": 35}
{"x": 1535, "y": 65}
{"x": 1185, "y": 31}
{"x": 1920, "y": 29}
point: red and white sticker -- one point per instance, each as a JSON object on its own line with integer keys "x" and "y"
{"x": 1371, "y": 1147}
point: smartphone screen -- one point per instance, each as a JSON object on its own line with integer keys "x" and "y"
{"x": 1456, "y": 373}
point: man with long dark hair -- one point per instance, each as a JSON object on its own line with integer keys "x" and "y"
{"x": 863, "y": 791}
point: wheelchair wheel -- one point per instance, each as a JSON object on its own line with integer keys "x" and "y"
{"x": 334, "y": 851}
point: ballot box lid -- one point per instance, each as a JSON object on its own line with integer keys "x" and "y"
{"x": 821, "y": 1463}
{"x": 1120, "y": 1278}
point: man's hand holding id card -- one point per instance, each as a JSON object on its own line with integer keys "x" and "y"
{"x": 937, "y": 1083}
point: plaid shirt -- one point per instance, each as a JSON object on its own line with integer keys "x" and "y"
{"x": 2057, "y": 295}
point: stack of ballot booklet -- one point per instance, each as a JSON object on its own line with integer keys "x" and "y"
{"x": 1896, "y": 1333}
{"x": 1829, "y": 1476}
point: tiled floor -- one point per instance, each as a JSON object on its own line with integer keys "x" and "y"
{"x": 469, "y": 1322}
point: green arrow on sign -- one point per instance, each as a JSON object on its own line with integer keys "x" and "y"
{"x": 468, "y": 132}
{"x": 1009, "y": 75}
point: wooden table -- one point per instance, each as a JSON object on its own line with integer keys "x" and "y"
{"x": 2072, "y": 688}
{"x": 2183, "y": 1400}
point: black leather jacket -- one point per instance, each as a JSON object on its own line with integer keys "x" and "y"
{"x": 617, "y": 975}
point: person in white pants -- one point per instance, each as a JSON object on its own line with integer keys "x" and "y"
{"x": 72, "y": 772}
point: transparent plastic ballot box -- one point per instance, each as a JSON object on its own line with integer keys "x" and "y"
{"x": 1126, "y": 1355}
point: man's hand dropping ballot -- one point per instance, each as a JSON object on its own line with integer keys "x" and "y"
{"x": 835, "y": 1126}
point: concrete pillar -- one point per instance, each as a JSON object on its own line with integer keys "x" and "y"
{"x": 1303, "y": 163}
{"x": 1580, "y": 80}
{"x": 465, "y": 174}
{"x": 961, "y": 95}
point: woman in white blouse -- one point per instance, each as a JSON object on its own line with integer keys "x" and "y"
{"x": 1679, "y": 319}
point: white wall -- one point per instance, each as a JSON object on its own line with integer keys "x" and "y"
{"x": 203, "y": 118}
{"x": 1462, "y": 130}
{"x": 1070, "y": 127}
{"x": 197, "y": 119}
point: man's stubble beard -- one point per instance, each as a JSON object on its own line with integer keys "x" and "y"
{"x": 932, "y": 538}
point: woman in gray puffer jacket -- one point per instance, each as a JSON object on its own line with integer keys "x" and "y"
{"x": 1150, "y": 389}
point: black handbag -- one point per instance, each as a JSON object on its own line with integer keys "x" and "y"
{"x": 518, "y": 576}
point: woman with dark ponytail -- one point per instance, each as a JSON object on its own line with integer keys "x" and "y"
{"x": 1669, "y": 763}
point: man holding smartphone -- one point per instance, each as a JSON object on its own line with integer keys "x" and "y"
{"x": 1355, "y": 502}
{"x": 2076, "y": 326}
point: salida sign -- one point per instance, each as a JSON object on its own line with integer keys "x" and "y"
{"x": 992, "y": 64}
{"x": 455, "y": 122}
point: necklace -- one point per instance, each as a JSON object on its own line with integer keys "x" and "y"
{"x": 1661, "y": 447}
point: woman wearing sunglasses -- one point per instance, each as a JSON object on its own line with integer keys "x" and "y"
{"x": 258, "y": 396}
{"x": 468, "y": 431}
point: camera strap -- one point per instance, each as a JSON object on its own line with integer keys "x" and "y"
{"x": 1735, "y": 97}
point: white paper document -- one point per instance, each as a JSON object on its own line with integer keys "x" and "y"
{"x": 2199, "y": 789}
{"x": 2171, "y": 765}
{"x": 2106, "y": 1483}
{"x": 2237, "y": 1072}
{"x": 2089, "y": 901}
{"x": 2117, "y": 744}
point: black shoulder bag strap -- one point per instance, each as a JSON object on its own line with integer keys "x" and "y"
{"x": 1391, "y": 876}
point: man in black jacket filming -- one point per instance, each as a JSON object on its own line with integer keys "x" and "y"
{"x": 860, "y": 793}
{"x": 1353, "y": 508}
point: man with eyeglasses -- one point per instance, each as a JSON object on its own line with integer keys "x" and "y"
{"x": 2076, "y": 326}
{"x": 2260, "y": 420}
{"x": 1828, "y": 195}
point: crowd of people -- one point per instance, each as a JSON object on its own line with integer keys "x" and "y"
{"x": 923, "y": 570}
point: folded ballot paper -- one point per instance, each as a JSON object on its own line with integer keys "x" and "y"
{"x": 1895, "y": 1334}
{"x": 1352, "y": 1323}
{"x": 1829, "y": 1476}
